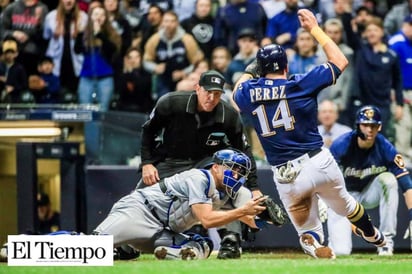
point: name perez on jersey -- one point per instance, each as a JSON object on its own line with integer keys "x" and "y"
{"x": 357, "y": 173}
{"x": 267, "y": 93}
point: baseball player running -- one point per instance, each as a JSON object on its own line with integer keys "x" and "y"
{"x": 372, "y": 169}
{"x": 284, "y": 113}
{"x": 153, "y": 218}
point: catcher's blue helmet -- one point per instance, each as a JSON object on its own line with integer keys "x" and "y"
{"x": 369, "y": 115}
{"x": 271, "y": 58}
{"x": 238, "y": 167}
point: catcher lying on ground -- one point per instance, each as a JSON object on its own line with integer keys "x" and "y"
{"x": 154, "y": 219}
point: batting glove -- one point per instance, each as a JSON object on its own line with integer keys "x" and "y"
{"x": 286, "y": 174}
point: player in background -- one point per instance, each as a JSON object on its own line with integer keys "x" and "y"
{"x": 284, "y": 113}
{"x": 372, "y": 169}
{"x": 153, "y": 219}
{"x": 329, "y": 127}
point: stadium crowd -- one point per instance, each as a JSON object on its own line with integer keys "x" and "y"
{"x": 126, "y": 54}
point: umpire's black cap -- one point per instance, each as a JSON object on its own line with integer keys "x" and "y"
{"x": 212, "y": 80}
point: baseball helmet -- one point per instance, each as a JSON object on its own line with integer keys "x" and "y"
{"x": 238, "y": 167}
{"x": 271, "y": 58}
{"x": 369, "y": 115}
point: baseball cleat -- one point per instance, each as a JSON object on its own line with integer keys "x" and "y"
{"x": 125, "y": 252}
{"x": 313, "y": 248}
{"x": 378, "y": 239}
{"x": 175, "y": 253}
{"x": 387, "y": 249}
{"x": 229, "y": 247}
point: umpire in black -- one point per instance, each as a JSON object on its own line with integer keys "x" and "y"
{"x": 184, "y": 130}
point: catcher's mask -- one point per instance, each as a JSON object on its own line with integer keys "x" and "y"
{"x": 237, "y": 167}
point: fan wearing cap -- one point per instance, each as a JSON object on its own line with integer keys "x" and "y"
{"x": 14, "y": 82}
{"x": 185, "y": 129}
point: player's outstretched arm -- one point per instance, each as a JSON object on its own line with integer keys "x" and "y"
{"x": 333, "y": 53}
{"x": 215, "y": 218}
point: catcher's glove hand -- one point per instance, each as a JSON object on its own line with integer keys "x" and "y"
{"x": 274, "y": 213}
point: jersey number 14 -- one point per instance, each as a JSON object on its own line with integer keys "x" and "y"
{"x": 280, "y": 118}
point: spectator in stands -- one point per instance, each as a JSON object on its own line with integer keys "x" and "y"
{"x": 123, "y": 29}
{"x": 248, "y": 46}
{"x": 393, "y": 19}
{"x": 4, "y": 4}
{"x": 145, "y": 5}
{"x": 401, "y": 43}
{"x": 235, "y": 16}
{"x": 340, "y": 92}
{"x": 61, "y": 28}
{"x": 221, "y": 59}
{"x": 150, "y": 25}
{"x": 100, "y": 44}
{"x": 13, "y": 74}
{"x": 362, "y": 17}
{"x": 84, "y": 4}
{"x": 329, "y": 128}
{"x": 201, "y": 25}
{"x": 170, "y": 54}
{"x": 283, "y": 27}
{"x": 51, "y": 4}
{"x": 45, "y": 85}
{"x": 184, "y": 8}
{"x": 24, "y": 21}
{"x": 49, "y": 220}
{"x": 201, "y": 66}
{"x": 272, "y": 7}
{"x": 189, "y": 82}
{"x": 130, "y": 10}
{"x": 119, "y": 24}
{"x": 304, "y": 56}
{"x": 135, "y": 84}
{"x": 377, "y": 71}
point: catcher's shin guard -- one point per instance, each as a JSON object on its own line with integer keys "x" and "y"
{"x": 194, "y": 247}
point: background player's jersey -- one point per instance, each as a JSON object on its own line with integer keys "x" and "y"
{"x": 360, "y": 166}
{"x": 284, "y": 112}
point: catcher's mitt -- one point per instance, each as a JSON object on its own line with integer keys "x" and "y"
{"x": 274, "y": 213}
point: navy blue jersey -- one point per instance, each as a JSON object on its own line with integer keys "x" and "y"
{"x": 361, "y": 166}
{"x": 284, "y": 111}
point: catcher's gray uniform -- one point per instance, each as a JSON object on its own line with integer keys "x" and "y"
{"x": 156, "y": 215}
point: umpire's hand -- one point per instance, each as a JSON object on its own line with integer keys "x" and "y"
{"x": 150, "y": 175}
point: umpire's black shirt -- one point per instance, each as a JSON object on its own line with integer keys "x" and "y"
{"x": 177, "y": 130}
